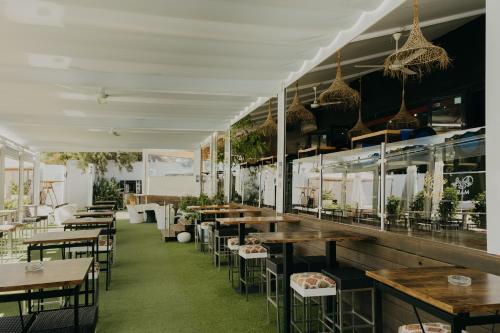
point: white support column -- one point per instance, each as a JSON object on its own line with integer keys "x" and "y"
{"x": 2, "y": 176}
{"x": 227, "y": 167}
{"x": 492, "y": 125}
{"x": 213, "y": 164}
{"x": 36, "y": 180}
{"x": 145, "y": 174}
{"x": 20, "y": 191}
{"x": 281, "y": 152}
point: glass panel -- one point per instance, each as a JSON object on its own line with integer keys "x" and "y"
{"x": 268, "y": 185}
{"x": 306, "y": 185}
{"x": 11, "y": 188}
{"x": 250, "y": 185}
{"x": 28, "y": 183}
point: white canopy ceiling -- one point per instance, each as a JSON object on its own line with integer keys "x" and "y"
{"x": 175, "y": 71}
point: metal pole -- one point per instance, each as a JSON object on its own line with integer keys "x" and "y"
{"x": 382, "y": 186}
{"x": 281, "y": 152}
{"x": 320, "y": 200}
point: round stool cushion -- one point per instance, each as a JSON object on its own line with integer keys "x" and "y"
{"x": 206, "y": 225}
{"x": 252, "y": 249}
{"x": 248, "y": 241}
{"x": 184, "y": 237}
{"x": 312, "y": 280}
{"x": 429, "y": 327}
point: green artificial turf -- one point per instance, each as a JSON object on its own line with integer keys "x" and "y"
{"x": 171, "y": 287}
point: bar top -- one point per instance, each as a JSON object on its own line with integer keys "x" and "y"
{"x": 228, "y": 211}
{"x": 209, "y": 207}
{"x": 89, "y": 220}
{"x": 63, "y": 236}
{"x": 95, "y": 214}
{"x": 258, "y": 220}
{"x": 55, "y": 273}
{"x": 308, "y": 236}
{"x": 430, "y": 285}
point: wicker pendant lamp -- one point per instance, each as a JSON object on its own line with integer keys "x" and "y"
{"x": 269, "y": 127}
{"x": 296, "y": 111}
{"x": 403, "y": 119}
{"x": 417, "y": 54}
{"x": 359, "y": 128}
{"x": 339, "y": 92}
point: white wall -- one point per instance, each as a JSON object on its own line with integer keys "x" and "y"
{"x": 137, "y": 172}
{"x": 79, "y": 184}
{"x": 492, "y": 124}
{"x": 173, "y": 185}
{"x": 50, "y": 172}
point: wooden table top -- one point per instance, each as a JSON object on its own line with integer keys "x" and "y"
{"x": 63, "y": 236}
{"x": 55, "y": 273}
{"x": 101, "y": 206}
{"x": 228, "y": 211}
{"x": 105, "y": 202}
{"x": 209, "y": 207}
{"x": 95, "y": 214}
{"x": 308, "y": 236}
{"x": 430, "y": 285}
{"x": 89, "y": 220}
{"x": 258, "y": 220}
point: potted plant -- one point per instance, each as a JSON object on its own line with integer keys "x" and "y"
{"x": 417, "y": 205}
{"x": 392, "y": 208}
{"x": 480, "y": 209}
{"x": 326, "y": 199}
{"x": 448, "y": 204}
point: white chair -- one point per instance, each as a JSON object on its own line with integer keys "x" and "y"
{"x": 63, "y": 213}
{"x": 136, "y": 214}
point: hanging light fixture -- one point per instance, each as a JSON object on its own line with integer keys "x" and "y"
{"x": 339, "y": 92}
{"x": 403, "y": 119}
{"x": 359, "y": 128}
{"x": 296, "y": 111}
{"x": 417, "y": 54}
{"x": 269, "y": 127}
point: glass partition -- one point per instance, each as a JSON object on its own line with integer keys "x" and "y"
{"x": 306, "y": 185}
{"x": 250, "y": 185}
{"x": 434, "y": 187}
{"x": 268, "y": 185}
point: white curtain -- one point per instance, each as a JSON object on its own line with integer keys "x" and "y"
{"x": 357, "y": 191}
{"x": 437, "y": 187}
{"x": 410, "y": 187}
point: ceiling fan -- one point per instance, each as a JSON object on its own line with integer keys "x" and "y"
{"x": 101, "y": 96}
{"x": 315, "y": 104}
{"x": 398, "y": 65}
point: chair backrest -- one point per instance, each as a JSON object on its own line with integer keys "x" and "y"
{"x": 64, "y": 213}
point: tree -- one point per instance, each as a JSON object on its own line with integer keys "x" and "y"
{"x": 100, "y": 159}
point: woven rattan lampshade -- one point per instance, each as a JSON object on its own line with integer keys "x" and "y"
{"x": 339, "y": 92}
{"x": 417, "y": 54}
{"x": 296, "y": 111}
{"x": 359, "y": 128}
{"x": 269, "y": 127}
{"x": 403, "y": 119}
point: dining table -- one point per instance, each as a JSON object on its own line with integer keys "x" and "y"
{"x": 100, "y": 213}
{"x": 288, "y": 239}
{"x": 56, "y": 278}
{"x": 100, "y": 207}
{"x": 428, "y": 289}
{"x": 242, "y": 222}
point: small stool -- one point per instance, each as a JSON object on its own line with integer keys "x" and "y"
{"x": 254, "y": 256}
{"x": 274, "y": 275}
{"x": 233, "y": 245}
{"x": 205, "y": 235}
{"x": 309, "y": 288}
{"x": 351, "y": 282}
{"x": 428, "y": 327}
{"x": 220, "y": 248}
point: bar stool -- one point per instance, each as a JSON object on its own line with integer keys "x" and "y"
{"x": 220, "y": 248}
{"x": 310, "y": 289}
{"x": 254, "y": 256}
{"x": 428, "y": 327}
{"x": 204, "y": 235}
{"x": 351, "y": 284}
{"x": 274, "y": 276}
{"x": 233, "y": 245}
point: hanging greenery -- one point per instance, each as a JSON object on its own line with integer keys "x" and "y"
{"x": 247, "y": 144}
{"x": 99, "y": 159}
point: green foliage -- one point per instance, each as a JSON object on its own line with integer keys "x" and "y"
{"x": 107, "y": 189}
{"x": 327, "y": 195}
{"x": 247, "y": 144}
{"x": 480, "y": 208}
{"x": 187, "y": 201}
{"x": 392, "y": 205}
{"x": 14, "y": 188}
{"x": 202, "y": 200}
{"x": 418, "y": 202}
{"x": 449, "y": 203}
{"x": 99, "y": 159}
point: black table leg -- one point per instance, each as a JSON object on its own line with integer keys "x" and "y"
{"x": 272, "y": 227}
{"x": 379, "y": 324}
{"x": 76, "y": 301}
{"x": 331, "y": 254}
{"x": 287, "y": 271}
{"x": 217, "y": 243}
{"x": 241, "y": 239}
